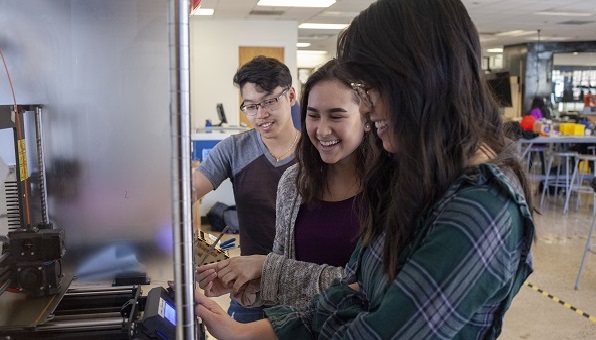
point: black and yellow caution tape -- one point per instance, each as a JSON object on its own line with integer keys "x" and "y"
{"x": 561, "y": 302}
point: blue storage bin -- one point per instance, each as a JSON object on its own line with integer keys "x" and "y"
{"x": 201, "y": 148}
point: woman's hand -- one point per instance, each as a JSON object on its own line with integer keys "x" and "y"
{"x": 355, "y": 286}
{"x": 217, "y": 321}
{"x": 210, "y": 282}
{"x": 238, "y": 271}
{"x": 223, "y": 327}
{"x": 230, "y": 276}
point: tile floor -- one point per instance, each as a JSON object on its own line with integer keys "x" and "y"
{"x": 557, "y": 254}
{"x": 558, "y": 250}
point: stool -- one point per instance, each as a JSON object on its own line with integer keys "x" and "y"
{"x": 540, "y": 151}
{"x": 589, "y": 245}
{"x": 564, "y": 159}
{"x": 577, "y": 179}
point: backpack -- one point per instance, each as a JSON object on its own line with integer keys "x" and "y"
{"x": 221, "y": 215}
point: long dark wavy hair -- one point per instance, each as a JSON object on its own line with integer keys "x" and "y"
{"x": 312, "y": 171}
{"x": 424, "y": 58}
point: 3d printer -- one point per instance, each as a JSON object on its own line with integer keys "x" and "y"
{"x": 40, "y": 302}
{"x": 31, "y": 252}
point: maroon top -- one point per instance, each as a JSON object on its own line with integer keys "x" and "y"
{"x": 326, "y": 232}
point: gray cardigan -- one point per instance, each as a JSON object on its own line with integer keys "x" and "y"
{"x": 284, "y": 279}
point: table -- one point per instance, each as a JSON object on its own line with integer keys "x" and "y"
{"x": 525, "y": 144}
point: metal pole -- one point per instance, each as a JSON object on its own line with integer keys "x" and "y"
{"x": 42, "y": 166}
{"x": 178, "y": 11}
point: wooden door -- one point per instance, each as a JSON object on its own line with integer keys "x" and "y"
{"x": 246, "y": 54}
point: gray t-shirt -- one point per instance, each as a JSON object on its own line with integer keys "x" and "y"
{"x": 254, "y": 173}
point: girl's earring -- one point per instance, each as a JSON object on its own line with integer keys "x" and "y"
{"x": 367, "y": 127}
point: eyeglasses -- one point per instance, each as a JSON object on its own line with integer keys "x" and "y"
{"x": 269, "y": 105}
{"x": 362, "y": 93}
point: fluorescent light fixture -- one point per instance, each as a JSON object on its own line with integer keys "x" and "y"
{"x": 565, "y": 14}
{"x": 316, "y": 37}
{"x": 296, "y": 3}
{"x": 338, "y": 14}
{"x": 302, "y": 44}
{"x": 494, "y": 50}
{"x": 549, "y": 38}
{"x": 515, "y": 33}
{"x": 484, "y": 38}
{"x": 308, "y": 25}
{"x": 317, "y": 52}
{"x": 203, "y": 11}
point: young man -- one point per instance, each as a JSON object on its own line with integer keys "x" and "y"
{"x": 255, "y": 160}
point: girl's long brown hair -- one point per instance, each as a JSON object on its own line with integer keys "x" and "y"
{"x": 424, "y": 58}
{"x": 312, "y": 171}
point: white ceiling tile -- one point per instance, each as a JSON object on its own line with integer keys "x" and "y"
{"x": 490, "y": 16}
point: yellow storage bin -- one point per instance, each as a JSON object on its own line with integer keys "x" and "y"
{"x": 565, "y": 128}
{"x": 578, "y": 130}
{"x": 571, "y": 129}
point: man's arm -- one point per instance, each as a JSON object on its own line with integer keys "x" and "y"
{"x": 201, "y": 186}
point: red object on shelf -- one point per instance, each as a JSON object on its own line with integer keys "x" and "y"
{"x": 194, "y": 4}
{"x": 527, "y": 122}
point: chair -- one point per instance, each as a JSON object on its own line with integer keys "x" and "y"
{"x": 559, "y": 181}
{"x": 578, "y": 177}
{"x": 589, "y": 245}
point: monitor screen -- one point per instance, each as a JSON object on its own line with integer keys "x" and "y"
{"x": 170, "y": 313}
{"x": 221, "y": 114}
{"x": 500, "y": 84}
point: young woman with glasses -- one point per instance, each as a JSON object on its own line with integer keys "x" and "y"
{"x": 446, "y": 247}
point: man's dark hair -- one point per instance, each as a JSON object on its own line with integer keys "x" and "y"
{"x": 266, "y": 73}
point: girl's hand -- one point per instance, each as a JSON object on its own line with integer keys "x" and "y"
{"x": 210, "y": 282}
{"x": 222, "y": 326}
{"x": 238, "y": 271}
{"x": 355, "y": 286}
{"x": 217, "y": 321}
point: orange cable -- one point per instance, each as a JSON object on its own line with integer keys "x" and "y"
{"x": 19, "y": 137}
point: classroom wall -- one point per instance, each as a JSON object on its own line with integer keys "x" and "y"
{"x": 214, "y": 48}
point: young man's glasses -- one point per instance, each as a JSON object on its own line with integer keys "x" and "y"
{"x": 269, "y": 105}
{"x": 362, "y": 93}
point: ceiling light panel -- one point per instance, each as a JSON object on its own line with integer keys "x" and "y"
{"x": 296, "y": 3}
{"x": 315, "y": 52}
{"x": 549, "y": 38}
{"x": 515, "y": 33}
{"x": 337, "y": 14}
{"x": 316, "y": 36}
{"x": 565, "y": 14}
{"x": 203, "y": 11}
{"x": 308, "y": 25}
